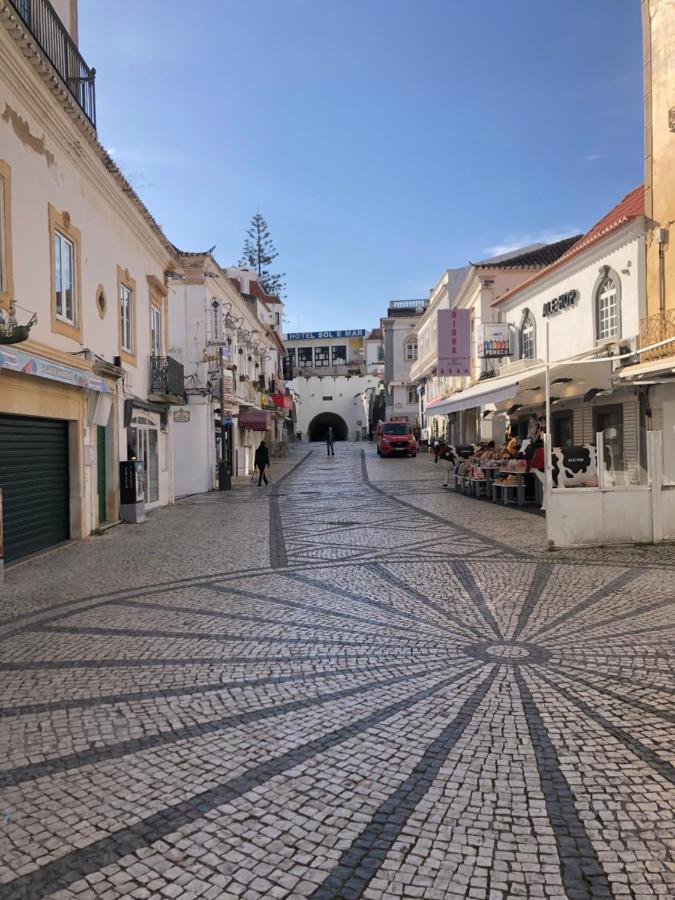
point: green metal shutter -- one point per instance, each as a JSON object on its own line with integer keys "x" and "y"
{"x": 34, "y": 479}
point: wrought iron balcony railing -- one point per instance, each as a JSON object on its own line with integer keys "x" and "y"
{"x": 657, "y": 328}
{"x": 48, "y": 30}
{"x": 166, "y": 378}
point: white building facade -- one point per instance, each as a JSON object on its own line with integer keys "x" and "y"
{"x": 401, "y": 352}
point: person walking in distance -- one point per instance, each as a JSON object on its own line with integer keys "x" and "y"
{"x": 262, "y": 461}
{"x": 330, "y": 441}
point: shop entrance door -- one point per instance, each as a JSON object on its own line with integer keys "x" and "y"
{"x": 144, "y": 444}
{"x": 609, "y": 420}
{"x": 100, "y": 473}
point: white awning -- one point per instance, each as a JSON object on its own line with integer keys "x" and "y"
{"x": 568, "y": 378}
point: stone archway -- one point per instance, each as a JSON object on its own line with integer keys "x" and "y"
{"x": 318, "y": 427}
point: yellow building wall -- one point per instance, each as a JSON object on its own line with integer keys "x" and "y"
{"x": 658, "y": 19}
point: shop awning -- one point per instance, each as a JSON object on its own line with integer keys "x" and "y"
{"x": 528, "y": 387}
{"x": 255, "y": 420}
{"x": 660, "y": 367}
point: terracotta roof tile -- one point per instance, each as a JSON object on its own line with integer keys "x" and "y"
{"x": 531, "y": 258}
{"x": 631, "y": 207}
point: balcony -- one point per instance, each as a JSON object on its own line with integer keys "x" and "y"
{"x": 657, "y": 328}
{"x": 57, "y": 45}
{"x": 167, "y": 382}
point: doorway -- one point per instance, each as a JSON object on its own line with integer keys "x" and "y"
{"x": 101, "y": 474}
{"x": 318, "y": 427}
{"x": 609, "y": 420}
{"x": 143, "y": 443}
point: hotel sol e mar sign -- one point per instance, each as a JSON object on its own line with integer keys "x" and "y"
{"x": 558, "y": 304}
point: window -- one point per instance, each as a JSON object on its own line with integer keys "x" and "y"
{"x": 276, "y": 318}
{"x": 412, "y": 396}
{"x": 65, "y": 274}
{"x": 321, "y": 356}
{"x": 155, "y": 331}
{"x": 339, "y": 355}
{"x": 398, "y": 428}
{"x": 126, "y": 293}
{"x": 527, "y": 342}
{"x": 380, "y": 353}
{"x": 608, "y": 307}
{"x": 125, "y": 318}
{"x": 291, "y": 357}
{"x": 411, "y": 349}
{"x": 304, "y": 356}
{"x": 64, "y": 257}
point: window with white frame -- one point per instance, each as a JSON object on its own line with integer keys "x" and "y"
{"x": 527, "y": 337}
{"x": 64, "y": 265}
{"x": 608, "y": 308}
{"x": 411, "y": 348}
{"x": 126, "y": 312}
{"x": 412, "y": 395}
{"x": 155, "y": 331}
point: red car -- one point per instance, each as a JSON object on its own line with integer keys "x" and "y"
{"x": 395, "y": 437}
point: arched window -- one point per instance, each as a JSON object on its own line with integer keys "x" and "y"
{"x": 607, "y": 300}
{"x": 527, "y": 336}
{"x": 411, "y": 348}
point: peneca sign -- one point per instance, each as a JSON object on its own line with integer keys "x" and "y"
{"x": 454, "y": 341}
{"x": 558, "y": 304}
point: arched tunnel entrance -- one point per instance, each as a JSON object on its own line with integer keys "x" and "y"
{"x": 318, "y": 427}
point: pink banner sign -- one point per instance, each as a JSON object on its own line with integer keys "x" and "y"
{"x": 454, "y": 342}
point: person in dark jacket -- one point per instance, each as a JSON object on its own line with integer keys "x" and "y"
{"x": 262, "y": 461}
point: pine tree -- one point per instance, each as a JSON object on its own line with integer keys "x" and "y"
{"x": 259, "y": 253}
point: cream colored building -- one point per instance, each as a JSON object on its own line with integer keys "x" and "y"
{"x": 93, "y": 383}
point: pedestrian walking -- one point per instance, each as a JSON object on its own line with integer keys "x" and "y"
{"x": 330, "y": 441}
{"x": 261, "y": 462}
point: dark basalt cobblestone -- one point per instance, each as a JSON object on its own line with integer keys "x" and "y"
{"x": 395, "y": 693}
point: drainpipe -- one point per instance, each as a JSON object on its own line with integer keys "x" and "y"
{"x": 661, "y": 238}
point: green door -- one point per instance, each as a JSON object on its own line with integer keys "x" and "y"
{"x": 100, "y": 473}
{"x": 34, "y": 479}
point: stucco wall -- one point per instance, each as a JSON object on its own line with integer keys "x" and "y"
{"x": 344, "y": 403}
{"x": 658, "y": 17}
{"x": 50, "y": 163}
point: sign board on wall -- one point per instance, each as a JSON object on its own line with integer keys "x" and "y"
{"x": 454, "y": 342}
{"x": 181, "y": 415}
{"x": 493, "y": 340}
{"x": 558, "y": 304}
{"x": 318, "y": 335}
{"x": 18, "y": 361}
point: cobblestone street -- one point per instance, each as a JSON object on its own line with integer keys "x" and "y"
{"x": 352, "y": 683}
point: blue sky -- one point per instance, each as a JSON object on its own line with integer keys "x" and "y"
{"x": 383, "y": 140}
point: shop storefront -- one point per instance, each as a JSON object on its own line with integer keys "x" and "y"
{"x": 582, "y": 313}
{"x": 57, "y": 441}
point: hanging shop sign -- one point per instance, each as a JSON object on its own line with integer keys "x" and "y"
{"x": 18, "y": 361}
{"x": 454, "y": 342}
{"x": 558, "y": 304}
{"x": 283, "y": 401}
{"x": 493, "y": 340}
{"x": 318, "y": 335}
